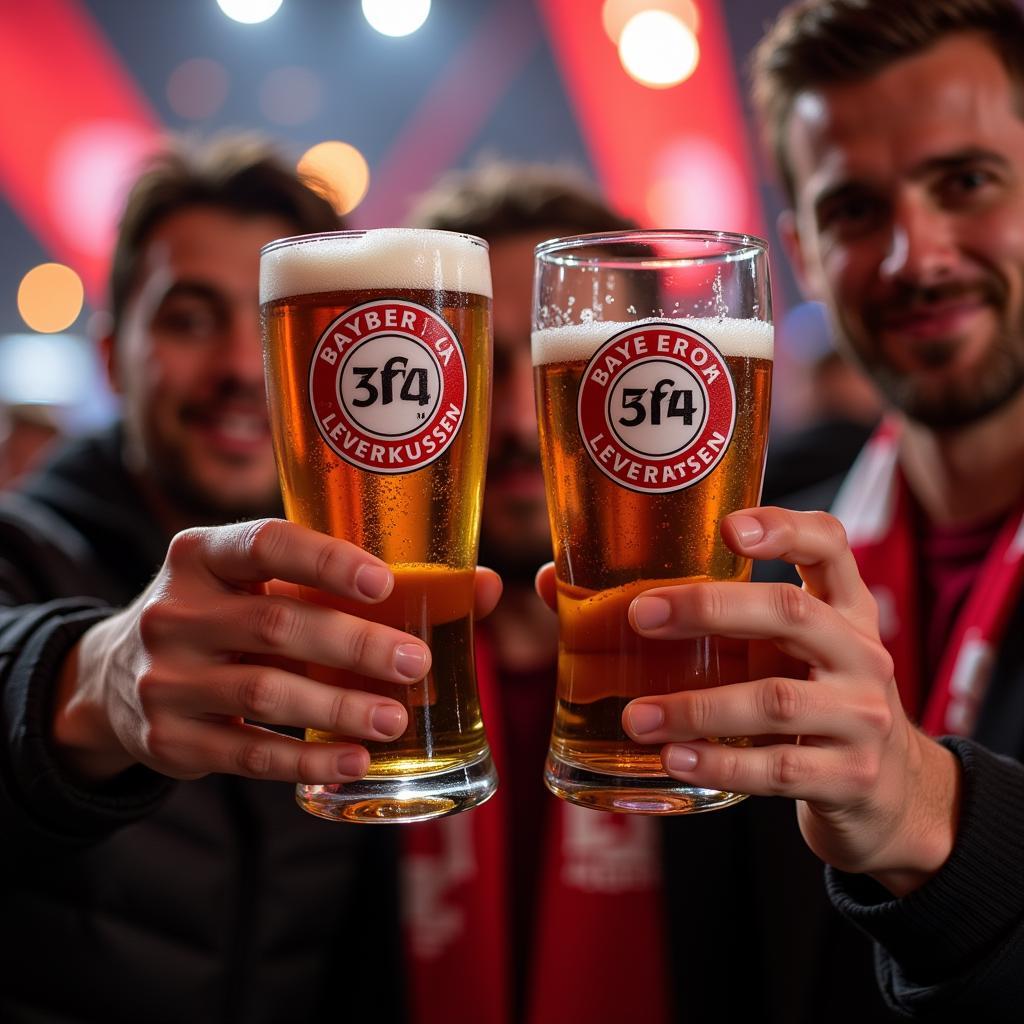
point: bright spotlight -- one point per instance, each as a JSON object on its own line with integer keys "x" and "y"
{"x": 249, "y": 12}
{"x": 396, "y": 17}
{"x": 616, "y": 14}
{"x": 658, "y": 50}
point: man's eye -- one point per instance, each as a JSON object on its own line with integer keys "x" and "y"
{"x": 966, "y": 184}
{"x": 849, "y": 214}
{"x": 193, "y": 321}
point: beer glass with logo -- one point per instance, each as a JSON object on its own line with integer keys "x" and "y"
{"x": 378, "y": 364}
{"x": 652, "y": 355}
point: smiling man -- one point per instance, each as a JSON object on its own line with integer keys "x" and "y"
{"x": 898, "y": 130}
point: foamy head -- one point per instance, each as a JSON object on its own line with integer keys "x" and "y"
{"x": 750, "y": 339}
{"x": 382, "y": 258}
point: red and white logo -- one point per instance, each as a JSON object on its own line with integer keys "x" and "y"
{"x": 387, "y": 386}
{"x": 657, "y": 407}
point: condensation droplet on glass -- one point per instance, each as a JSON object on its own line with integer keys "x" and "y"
{"x": 609, "y": 298}
{"x": 586, "y": 315}
{"x": 631, "y": 309}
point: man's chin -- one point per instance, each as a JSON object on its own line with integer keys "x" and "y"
{"x": 206, "y": 505}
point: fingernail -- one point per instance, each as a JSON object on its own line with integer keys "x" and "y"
{"x": 388, "y": 719}
{"x": 410, "y": 661}
{"x": 651, "y": 612}
{"x": 646, "y": 717}
{"x": 748, "y": 529}
{"x": 680, "y": 759}
{"x": 373, "y": 581}
{"x": 352, "y": 764}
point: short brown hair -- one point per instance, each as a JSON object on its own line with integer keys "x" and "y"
{"x": 817, "y": 43}
{"x": 243, "y": 174}
{"x": 501, "y": 198}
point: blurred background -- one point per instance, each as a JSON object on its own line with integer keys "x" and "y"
{"x": 380, "y": 97}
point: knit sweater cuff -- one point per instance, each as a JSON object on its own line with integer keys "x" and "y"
{"x": 975, "y": 900}
{"x": 50, "y": 798}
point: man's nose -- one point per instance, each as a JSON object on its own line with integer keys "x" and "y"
{"x": 241, "y": 354}
{"x": 922, "y": 245}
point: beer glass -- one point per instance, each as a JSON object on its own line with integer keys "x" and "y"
{"x": 652, "y": 355}
{"x": 378, "y": 364}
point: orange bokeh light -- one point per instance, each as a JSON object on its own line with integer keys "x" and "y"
{"x": 50, "y": 298}
{"x": 339, "y": 170}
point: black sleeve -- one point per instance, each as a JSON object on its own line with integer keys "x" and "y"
{"x": 40, "y": 804}
{"x": 954, "y": 949}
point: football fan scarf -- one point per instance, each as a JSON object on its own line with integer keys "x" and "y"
{"x": 599, "y": 942}
{"x": 876, "y": 508}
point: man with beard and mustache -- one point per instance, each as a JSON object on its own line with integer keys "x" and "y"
{"x": 898, "y": 133}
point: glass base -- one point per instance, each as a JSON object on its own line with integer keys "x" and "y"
{"x": 642, "y": 794}
{"x": 400, "y": 799}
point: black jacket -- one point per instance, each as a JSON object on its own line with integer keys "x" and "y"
{"x": 151, "y": 900}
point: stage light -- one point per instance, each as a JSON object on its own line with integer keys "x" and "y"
{"x": 249, "y": 12}
{"x": 291, "y": 95}
{"x": 50, "y": 297}
{"x": 341, "y": 170}
{"x": 658, "y": 50}
{"x": 197, "y": 88}
{"x": 616, "y": 14}
{"x": 396, "y": 17}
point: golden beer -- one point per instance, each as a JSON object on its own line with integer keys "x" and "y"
{"x": 378, "y": 379}
{"x": 653, "y": 428}
{"x": 623, "y": 543}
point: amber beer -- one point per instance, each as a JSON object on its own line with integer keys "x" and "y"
{"x": 652, "y": 430}
{"x": 378, "y": 376}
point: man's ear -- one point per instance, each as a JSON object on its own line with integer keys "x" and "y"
{"x": 106, "y": 347}
{"x": 789, "y": 232}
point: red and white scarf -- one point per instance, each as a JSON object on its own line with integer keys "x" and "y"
{"x": 600, "y": 917}
{"x": 875, "y": 506}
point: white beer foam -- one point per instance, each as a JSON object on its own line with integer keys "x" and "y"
{"x": 397, "y": 258}
{"x": 752, "y": 339}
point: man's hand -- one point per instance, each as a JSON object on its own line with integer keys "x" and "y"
{"x": 170, "y": 680}
{"x": 875, "y": 795}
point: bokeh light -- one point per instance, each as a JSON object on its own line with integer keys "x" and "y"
{"x": 91, "y": 169}
{"x": 616, "y": 14}
{"x": 50, "y": 297}
{"x": 197, "y": 88}
{"x": 396, "y": 17}
{"x": 249, "y": 12}
{"x": 658, "y": 50}
{"x": 339, "y": 170}
{"x": 696, "y": 183}
{"x": 291, "y": 95}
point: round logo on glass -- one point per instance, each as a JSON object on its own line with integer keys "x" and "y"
{"x": 387, "y": 386}
{"x": 657, "y": 407}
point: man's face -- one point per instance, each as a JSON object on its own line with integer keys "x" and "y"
{"x": 188, "y": 364}
{"x": 909, "y": 225}
{"x": 515, "y": 536}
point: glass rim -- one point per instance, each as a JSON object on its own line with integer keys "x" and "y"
{"x": 571, "y": 250}
{"x": 314, "y": 236}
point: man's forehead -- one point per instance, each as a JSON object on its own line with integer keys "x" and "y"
{"x": 211, "y": 246}
{"x": 954, "y": 95}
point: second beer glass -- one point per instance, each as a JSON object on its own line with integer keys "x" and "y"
{"x": 378, "y": 355}
{"x": 652, "y": 359}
